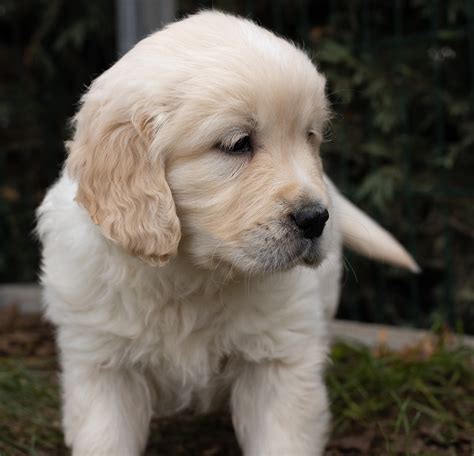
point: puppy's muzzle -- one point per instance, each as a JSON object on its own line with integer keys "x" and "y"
{"x": 310, "y": 219}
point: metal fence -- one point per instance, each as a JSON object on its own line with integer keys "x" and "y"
{"x": 401, "y": 81}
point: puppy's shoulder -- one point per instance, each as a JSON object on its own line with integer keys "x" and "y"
{"x": 59, "y": 213}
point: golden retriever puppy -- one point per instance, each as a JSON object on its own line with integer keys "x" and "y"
{"x": 192, "y": 245}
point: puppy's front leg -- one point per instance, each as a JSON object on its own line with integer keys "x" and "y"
{"x": 106, "y": 411}
{"x": 281, "y": 409}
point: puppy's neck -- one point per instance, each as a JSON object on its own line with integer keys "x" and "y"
{"x": 187, "y": 278}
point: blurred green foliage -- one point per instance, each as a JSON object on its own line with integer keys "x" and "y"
{"x": 401, "y": 81}
{"x": 49, "y": 51}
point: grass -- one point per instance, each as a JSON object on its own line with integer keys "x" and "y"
{"x": 417, "y": 402}
{"x": 418, "y": 398}
{"x": 29, "y": 408}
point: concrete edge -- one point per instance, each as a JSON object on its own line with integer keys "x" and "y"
{"x": 392, "y": 337}
{"x": 27, "y": 298}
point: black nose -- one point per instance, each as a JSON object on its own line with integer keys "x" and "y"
{"x": 311, "y": 219}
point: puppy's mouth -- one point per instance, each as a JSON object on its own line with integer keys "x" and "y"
{"x": 313, "y": 256}
{"x": 278, "y": 248}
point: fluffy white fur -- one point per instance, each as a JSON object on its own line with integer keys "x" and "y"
{"x": 169, "y": 266}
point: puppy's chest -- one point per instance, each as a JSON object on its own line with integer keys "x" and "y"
{"x": 184, "y": 340}
{"x": 187, "y": 340}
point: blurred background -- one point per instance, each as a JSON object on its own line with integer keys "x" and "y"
{"x": 401, "y": 83}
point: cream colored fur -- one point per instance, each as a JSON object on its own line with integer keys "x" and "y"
{"x": 171, "y": 268}
{"x": 367, "y": 237}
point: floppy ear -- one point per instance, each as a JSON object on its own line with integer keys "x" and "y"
{"x": 124, "y": 191}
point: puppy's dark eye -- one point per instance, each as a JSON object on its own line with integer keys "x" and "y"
{"x": 242, "y": 146}
{"x": 314, "y": 137}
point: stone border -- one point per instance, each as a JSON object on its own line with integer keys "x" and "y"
{"x": 393, "y": 337}
{"x": 27, "y": 297}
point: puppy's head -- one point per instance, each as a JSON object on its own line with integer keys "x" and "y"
{"x": 206, "y": 136}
